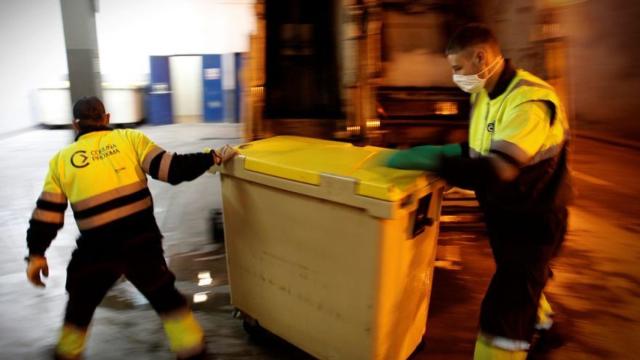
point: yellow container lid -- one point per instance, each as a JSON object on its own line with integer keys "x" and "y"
{"x": 304, "y": 159}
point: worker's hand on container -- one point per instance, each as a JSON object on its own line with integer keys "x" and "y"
{"x": 224, "y": 154}
{"x": 37, "y": 264}
{"x": 221, "y": 156}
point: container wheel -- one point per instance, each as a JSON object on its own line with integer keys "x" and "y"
{"x": 252, "y": 327}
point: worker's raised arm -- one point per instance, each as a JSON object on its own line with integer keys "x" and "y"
{"x": 172, "y": 167}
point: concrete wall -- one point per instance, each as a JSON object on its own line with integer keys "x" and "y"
{"x": 604, "y": 65}
{"x": 130, "y": 31}
{"x": 33, "y": 48}
{"x": 33, "y": 55}
{"x": 513, "y": 22}
{"x": 602, "y": 56}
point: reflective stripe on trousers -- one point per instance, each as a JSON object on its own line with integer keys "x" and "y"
{"x": 485, "y": 350}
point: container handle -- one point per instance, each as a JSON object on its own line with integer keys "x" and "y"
{"x": 421, "y": 218}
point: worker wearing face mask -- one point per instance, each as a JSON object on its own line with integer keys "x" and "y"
{"x": 516, "y": 162}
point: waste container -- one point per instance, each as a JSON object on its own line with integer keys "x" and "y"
{"x": 328, "y": 249}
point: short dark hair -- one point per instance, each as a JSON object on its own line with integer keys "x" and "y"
{"x": 88, "y": 108}
{"x": 471, "y": 35}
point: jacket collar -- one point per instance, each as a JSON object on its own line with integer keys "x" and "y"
{"x": 92, "y": 129}
{"x": 507, "y": 74}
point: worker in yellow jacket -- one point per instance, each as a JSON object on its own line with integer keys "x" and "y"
{"x": 103, "y": 175}
{"x": 516, "y": 162}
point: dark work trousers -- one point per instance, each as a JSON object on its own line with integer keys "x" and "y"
{"x": 523, "y": 246}
{"x": 94, "y": 268}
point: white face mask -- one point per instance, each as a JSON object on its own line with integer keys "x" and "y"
{"x": 473, "y": 83}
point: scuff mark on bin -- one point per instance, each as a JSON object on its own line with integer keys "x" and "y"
{"x": 283, "y": 260}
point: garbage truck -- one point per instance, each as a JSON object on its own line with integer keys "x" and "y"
{"x": 362, "y": 71}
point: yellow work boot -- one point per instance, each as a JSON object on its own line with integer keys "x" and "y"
{"x": 186, "y": 337}
{"x": 71, "y": 343}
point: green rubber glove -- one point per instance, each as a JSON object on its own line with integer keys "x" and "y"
{"x": 426, "y": 157}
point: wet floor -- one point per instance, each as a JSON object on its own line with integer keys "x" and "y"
{"x": 595, "y": 290}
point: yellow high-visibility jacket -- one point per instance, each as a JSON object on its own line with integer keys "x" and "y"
{"x": 103, "y": 175}
{"x": 523, "y": 122}
{"x": 527, "y": 122}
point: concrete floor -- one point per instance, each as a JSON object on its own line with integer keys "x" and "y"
{"x": 596, "y": 289}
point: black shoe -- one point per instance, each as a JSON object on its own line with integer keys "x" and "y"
{"x": 544, "y": 341}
